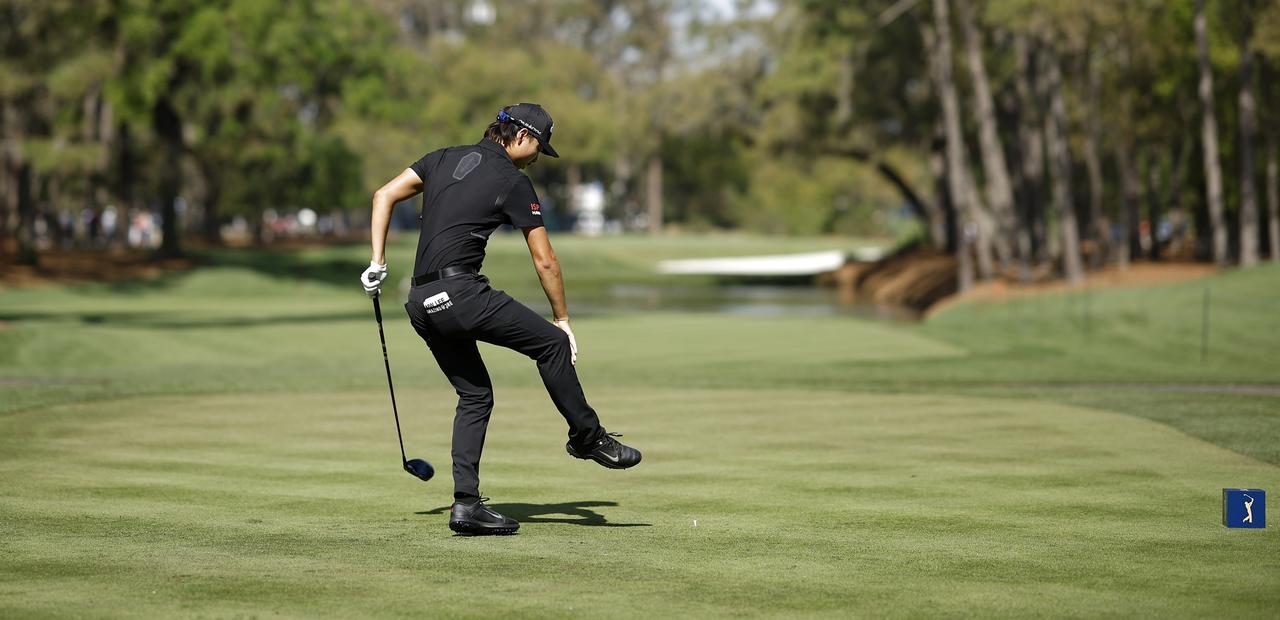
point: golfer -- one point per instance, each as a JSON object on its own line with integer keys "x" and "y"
{"x": 468, "y": 193}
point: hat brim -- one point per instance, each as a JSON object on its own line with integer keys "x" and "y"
{"x": 545, "y": 147}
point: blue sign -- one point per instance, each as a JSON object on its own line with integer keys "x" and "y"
{"x": 1244, "y": 508}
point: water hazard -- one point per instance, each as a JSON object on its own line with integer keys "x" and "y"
{"x": 759, "y": 300}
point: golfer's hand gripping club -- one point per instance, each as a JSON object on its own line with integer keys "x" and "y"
{"x": 372, "y": 279}
{"x": 563, "y": 324}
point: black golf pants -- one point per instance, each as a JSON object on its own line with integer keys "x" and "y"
{"x": 451, "y": 314}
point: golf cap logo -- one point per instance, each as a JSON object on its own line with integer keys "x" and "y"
{"x": 1244, "y": 508}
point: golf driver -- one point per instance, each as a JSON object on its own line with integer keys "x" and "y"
{"x": 417, "y": 467}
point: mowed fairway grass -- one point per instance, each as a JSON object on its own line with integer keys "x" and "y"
{"x": 219, "y": 443}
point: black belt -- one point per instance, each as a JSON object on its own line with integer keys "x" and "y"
{"x": 447, "y": 272}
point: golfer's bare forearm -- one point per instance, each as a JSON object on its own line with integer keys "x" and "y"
{"x": 405, "y": 186}
{"x": 553, "y": 286}
{"x": 380, "y": 221}
{"x": 548, "y": 268}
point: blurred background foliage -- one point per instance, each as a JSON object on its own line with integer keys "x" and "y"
{"x": 784, "y": 117}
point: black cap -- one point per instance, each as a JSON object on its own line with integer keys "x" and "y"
{"x": 531, "y": 116}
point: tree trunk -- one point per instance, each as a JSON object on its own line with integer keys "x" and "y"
{"x": 984, "y": 229}
{"x": 958, "y": 184}
{"x": 1273, "y": 199}
{"x": 1060, "y": 164}
{"x": 9, "y": 171}
{"x": 925, "y": 211}
{"x": 104, "y": 133}
{"x": 1154, "y": 207}
{"x": 1031, "y": 150}
{"x": 1170, "y": 199}
{"x": 26, "y": 217}
{"x": 122, "y": 182}
{"x": 1130, "y": 190}
{"x": 212, "y": 223}
{"x": 48, "y": 202}
{"x": 844, "y": 92}
{"x": 626, "y": 205}
{"x": 9, "y": 195}
{"x": 653, "y": 194}
{"x": 999, "y": 190}
{"x": 1248, "y": 192}
{"x": 8, "y": 198}
{"x": 1128, "y": 246}
{"x": 1099, "y": 226}
{"x": 1209, "y": 138}
{"x": 168, "y": 128}
{"x": 257, "y": 228}
{"x": 942, "y": 226}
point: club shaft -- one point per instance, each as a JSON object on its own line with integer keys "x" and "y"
{"x": 377, "y": 313}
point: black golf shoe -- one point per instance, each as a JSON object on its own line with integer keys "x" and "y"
{"x": 606, "y": 451}
{"x": 476, "y": 519}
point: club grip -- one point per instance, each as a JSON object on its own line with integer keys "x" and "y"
{"x": 377, "y": 309}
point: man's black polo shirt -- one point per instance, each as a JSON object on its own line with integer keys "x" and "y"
{"x": 468, "y": 192}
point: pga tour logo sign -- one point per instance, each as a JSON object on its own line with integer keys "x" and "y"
{"x": 1244, "y": 508}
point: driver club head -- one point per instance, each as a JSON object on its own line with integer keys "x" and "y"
{"x": 420, "y": 468}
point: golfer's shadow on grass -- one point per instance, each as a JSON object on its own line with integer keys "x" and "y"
{"x": 574, "y": 513}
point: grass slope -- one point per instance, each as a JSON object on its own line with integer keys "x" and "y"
{"x": 218, "y": 443}
{"x": 807, "y": 502}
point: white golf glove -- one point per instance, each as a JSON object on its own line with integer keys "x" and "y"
{"x": 563, "y": 324}
{"x": 372, "y": 279}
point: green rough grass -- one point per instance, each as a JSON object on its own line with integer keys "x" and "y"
{"x": 807, "y": 502}
{"x": 217, "y": 443}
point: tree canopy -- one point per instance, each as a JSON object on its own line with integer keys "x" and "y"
{"x": 1079, "y": 124}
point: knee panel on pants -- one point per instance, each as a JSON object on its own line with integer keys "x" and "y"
{"x": 558, "y": 344}
{"x": 481, "y": 400}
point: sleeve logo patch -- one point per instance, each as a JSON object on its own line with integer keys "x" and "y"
{"x": 535, "y": 208}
